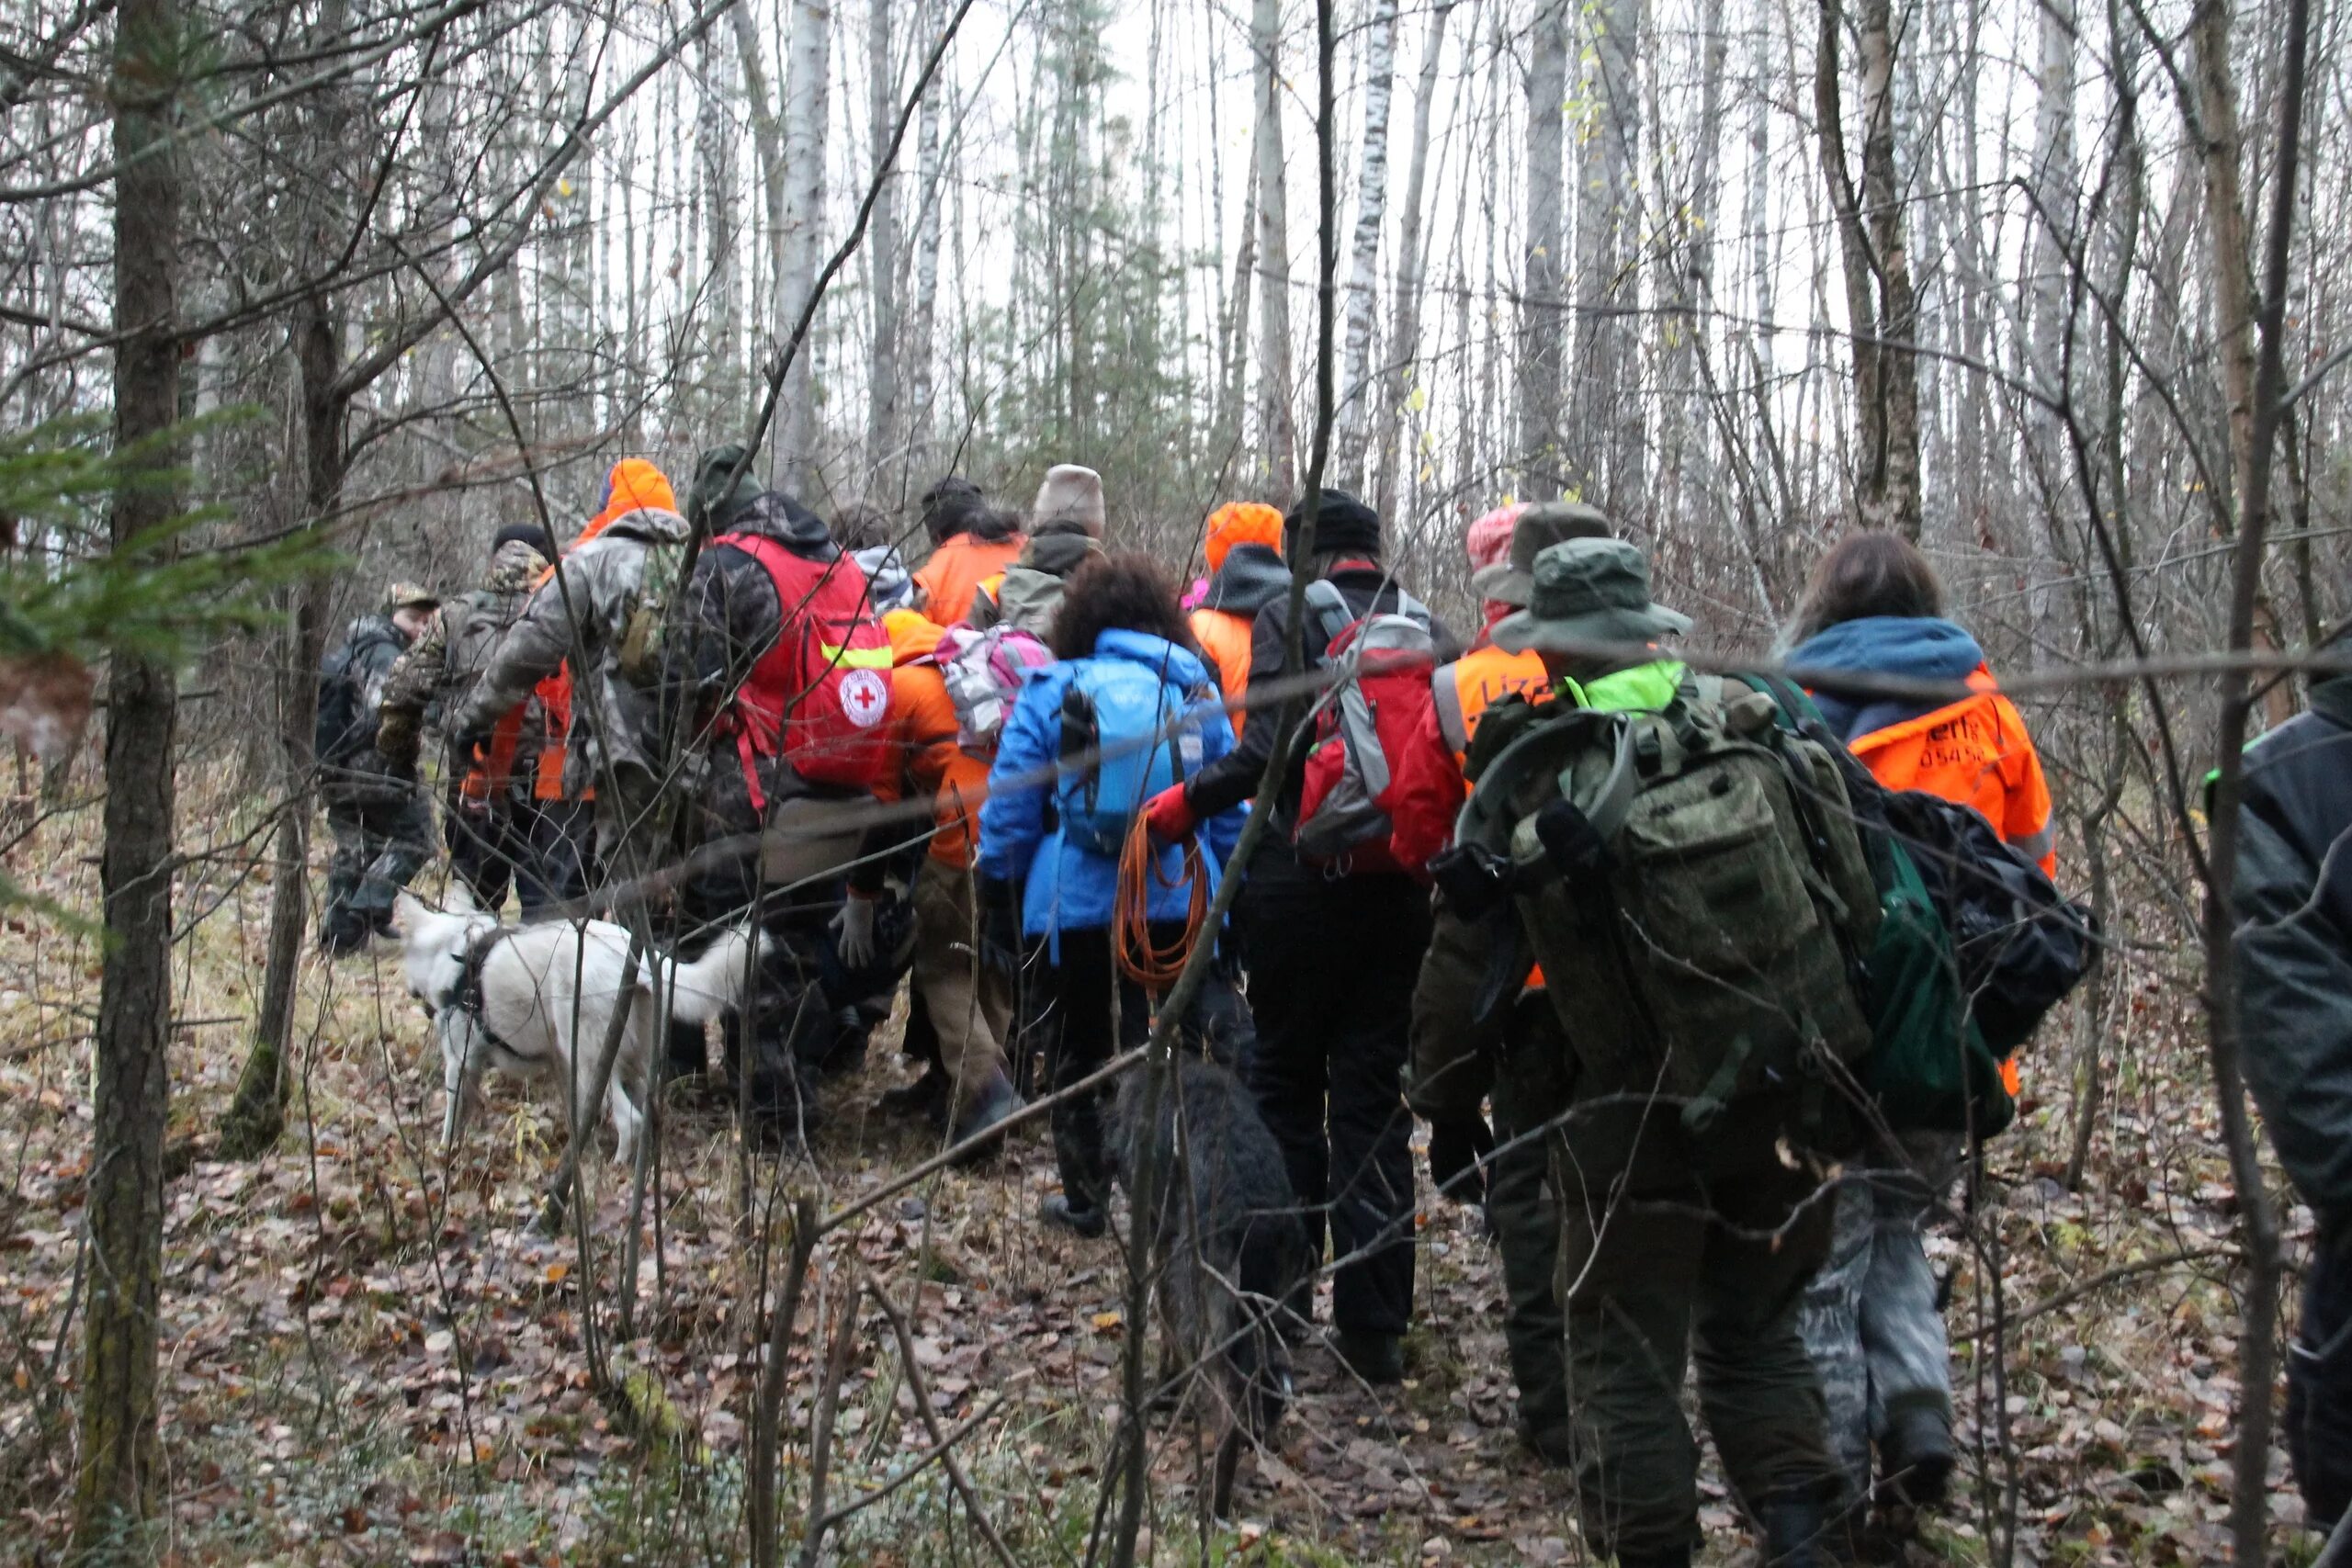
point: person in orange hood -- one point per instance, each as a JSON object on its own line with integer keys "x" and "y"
{"x": 561, "y": 838}
{"x": 1871, "y": 1319}
{"x": 971, "y": 542}
{"x": 1244, "y": 546}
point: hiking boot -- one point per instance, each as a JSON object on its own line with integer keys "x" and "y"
{"x": 1058, "y": 1210}
{"x": 1795, "y": 1530}
{"x": 339, "y": 937}
{"x": 926, "y": 1096}
{"x": 994, "y": 1101}
{"x": 1377, "y": 1358}
{"x": 1553, "y": 1443}
{"x": 1915, "y": 1456}
{"x": 847, "y": 1053}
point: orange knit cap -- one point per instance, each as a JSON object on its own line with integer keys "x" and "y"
{"x": 1242, "y": 523}
{"x": 1488, "y": 541}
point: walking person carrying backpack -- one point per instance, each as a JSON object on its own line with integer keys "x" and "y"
{"x": 1871, "y": 1318}
{"x": 787, "y": 674}
{"x": 1688, "y": 874}
{"x": 1334, "y": 929}
{"x": 381, "y": 825}
{"x": 490, "y": 818}
{"x": 1130, "y": 710}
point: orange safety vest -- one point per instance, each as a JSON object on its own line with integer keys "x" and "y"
{"x": 1466, "y": 688}
{"x": 1974, "y": 752}
{"x": 1224, "y": 637}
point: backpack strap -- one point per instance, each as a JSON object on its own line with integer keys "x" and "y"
{"x": 1331, "y": 615}
{"x": 1453, "y": 723}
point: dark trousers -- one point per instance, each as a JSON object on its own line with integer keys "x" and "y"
{"x": 1082, "y": 1027}
{"x": 2319, "y": 1381}
{"x": 383, "y": 836}
{"x": 1089, "y": 1009}
{"x": 1332, "y": 963}
{"x": 1532, "y": 1089}
{"x": 536, "y": 849}
{"x": 1678, "y": 1254}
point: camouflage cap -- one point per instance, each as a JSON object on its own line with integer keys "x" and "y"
{"x": 404, "y": 595}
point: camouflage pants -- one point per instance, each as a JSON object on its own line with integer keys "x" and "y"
{"x": 1870, "y": 1319}
{"x": 380, "y": 843}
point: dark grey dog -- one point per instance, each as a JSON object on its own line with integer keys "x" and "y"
{"x": 1228, "y": 1250}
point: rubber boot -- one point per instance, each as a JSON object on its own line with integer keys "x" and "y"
{"x": 1795, "y": 1528}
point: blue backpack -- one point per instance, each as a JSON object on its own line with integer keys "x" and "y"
{"x": 1129, "y": 724}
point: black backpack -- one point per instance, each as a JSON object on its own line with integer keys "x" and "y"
{"x": 345, "y": 730}
{"x": 2020, "y": 945}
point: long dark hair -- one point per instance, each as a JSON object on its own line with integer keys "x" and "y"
{"x": 1873, "y": 573}
{"x": 1130, "y": 592}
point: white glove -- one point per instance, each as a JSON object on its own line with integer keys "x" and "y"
{"x": 854, "y": 931}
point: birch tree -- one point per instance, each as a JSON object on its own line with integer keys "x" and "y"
{"x": 1356, "y": 396}
{"x": 800, "y": 251}
{"x": 1402, "y": 370}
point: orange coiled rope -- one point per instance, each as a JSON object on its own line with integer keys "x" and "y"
{"x": 1153, "y": 968}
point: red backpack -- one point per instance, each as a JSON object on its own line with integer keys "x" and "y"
{"x": 1357, "y": 803}
{"x": 818, "y": 696}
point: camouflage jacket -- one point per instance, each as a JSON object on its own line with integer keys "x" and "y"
{"x": 439, "y": 666}
{"x": 605, "y": 600}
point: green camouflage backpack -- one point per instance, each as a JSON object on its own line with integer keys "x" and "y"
{"x": 1690, "y": 880}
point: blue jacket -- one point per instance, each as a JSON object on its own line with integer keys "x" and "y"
{"x": 1921, "y": 646}
{"x": 1069, "y": 887}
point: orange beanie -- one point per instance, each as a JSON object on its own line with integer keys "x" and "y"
{"x": 1242, "y": 523}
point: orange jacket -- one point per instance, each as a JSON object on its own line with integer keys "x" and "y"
{"x": 956, "y": 567}
{"x": 922, "y": 728}
{"x": 632, "y": 485}
{"x": 1974, "y": 752}
{"x": 1224, "y": 637}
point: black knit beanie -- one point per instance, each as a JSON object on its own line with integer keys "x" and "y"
{"x": 529, "y": 534}
{"x": 1341, "y": 523}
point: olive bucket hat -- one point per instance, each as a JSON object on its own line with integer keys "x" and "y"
{"x": 1539, "y": 527}
{"x": 1588, "y": 592}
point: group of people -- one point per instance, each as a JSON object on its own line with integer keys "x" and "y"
{"x": 693, "y": 712}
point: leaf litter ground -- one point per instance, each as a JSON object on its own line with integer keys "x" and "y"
{"x": 370, "y": 1356}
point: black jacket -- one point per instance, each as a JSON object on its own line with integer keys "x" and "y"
{"x": 2292, "y": 903}
{"x": 1233, "y": 778}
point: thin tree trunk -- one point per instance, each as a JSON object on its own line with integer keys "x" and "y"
{"x": 882, "y": 414}
{"x": 1277, "y": 429}
{"x": 807, "y": 93}
{"x": 1539, "y": 460}
{"x": 2265, "y": 405}
{"x": 2236, "y": 304}
{"x": 921, "y": 392}
{"x": 1404, "y": 329}
{"x": 1605, "y": 457}
{"x": 1372, "y": 204}
{"x": 1899, "y": 311}
{"x": 767, "y": 146}
{"x": 118, "y": 1484}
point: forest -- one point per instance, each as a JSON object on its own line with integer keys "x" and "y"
{"x": 303, "y": 298}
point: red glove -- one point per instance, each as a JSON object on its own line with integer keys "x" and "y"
{"x": 1170, "y": 815}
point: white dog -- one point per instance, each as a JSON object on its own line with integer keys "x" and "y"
{"x": 539, "y": 999}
